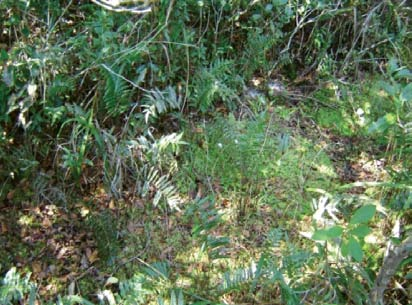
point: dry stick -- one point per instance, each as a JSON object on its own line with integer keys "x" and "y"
{"x": 360, "y": 35}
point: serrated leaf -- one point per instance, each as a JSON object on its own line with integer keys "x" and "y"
{"x": 327, "y": 234}
{"x": 355, "y": 249}
{"x": 363, "y": 214}
{"x": 406, "y": 94}
{"x": 360, "y": 231}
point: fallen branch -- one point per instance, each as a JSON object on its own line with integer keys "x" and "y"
{"x": 115, "y": 7}
{"x": 393, "y": 258}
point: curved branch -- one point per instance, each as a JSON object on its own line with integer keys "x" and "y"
{"x": 121, "y": 9}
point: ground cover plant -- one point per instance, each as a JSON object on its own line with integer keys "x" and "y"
{"x": 205, "y": 152}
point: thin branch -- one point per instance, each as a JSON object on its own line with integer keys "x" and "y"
{"x": 121, "y": 9}
{"x": 393, "y": 258}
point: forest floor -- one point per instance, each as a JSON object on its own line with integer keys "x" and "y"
{"x": 79, "y": 245}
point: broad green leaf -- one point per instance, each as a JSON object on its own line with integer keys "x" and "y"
{"x": 393, "y": 65}
{"x": 363, "y": 214}
{"x": 279, "y": 2}
{"x": 382, "y": 123}
{"x": 3, "y": 56}
{"x": 355, "y": 249}
{"x": 360, "y": 231}
{"x": 404, "y": 73}
{"x": 406, "y": 94}
{"x": 112, "y": 280}
{"x": 327, "y": 234}
{"x": 388, "y": 88}
{"x": 344, "y": 248}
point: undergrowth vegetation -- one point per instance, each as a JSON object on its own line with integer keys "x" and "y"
{"x": 205, "y": 152}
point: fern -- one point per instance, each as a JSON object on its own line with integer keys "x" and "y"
{"x": 255, "y": 53}
{"x": 216, "y": 82}
{"x": 162, "y": 187}
{"x": 159, "y": 102}
{"x": 235, "y": 280}
{"x": 147, "y": 160}
{"x": 133, "y": 291}
{"x": 14, "y": 288}
{"x": 117, "y": 94}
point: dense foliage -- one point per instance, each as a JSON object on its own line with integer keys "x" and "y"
{"x": 205, "y": 152}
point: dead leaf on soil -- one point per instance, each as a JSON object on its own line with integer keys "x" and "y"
{"x": 46, "y": 223}
{"x": 92, "y": 256}
{"x": 36, "y": 267}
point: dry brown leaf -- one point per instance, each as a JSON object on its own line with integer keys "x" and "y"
{"x": 61, "y": 253}
{"x": 10, "y": 195}
{"x": 92, "y": 256}
{"x": 4, "y": 228}
{"x": 46, "y": 223}
{"x": 36, "y": 267}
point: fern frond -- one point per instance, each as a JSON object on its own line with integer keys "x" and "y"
{"x": 234, "y": 280}
{"x": 160, "y": 102}
{"x": 117, "y": 94}
{"x": 217, "y": 81}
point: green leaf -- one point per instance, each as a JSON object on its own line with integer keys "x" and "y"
{"x": 112, "y": 280}
{"x": 327, "y": 234}
{"x": 388, "y": 88}
{"x": 406, "y": 94}
{"x": 404, "y": 73}
{"x": 279, "y": 2}
{"x": 393, "y": 65}
{"x": 355, "y": 249}
{"x": 3, "y": 56}
{"x": 360, "y": 231}
{"x": 344, "y": 250}
{"x": 382, "y": 123}
{"x": 363, "y": 214}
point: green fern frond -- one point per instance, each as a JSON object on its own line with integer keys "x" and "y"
{"x": 159, "y": 102}
{"x": 158, "y": 270}
{"x": 235, "y": 280}
{"x": 14, "y": 289}
{"x": 217, "y": 81}
{"x": 147, "y": 160}
{"x": 117, "y": 94}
